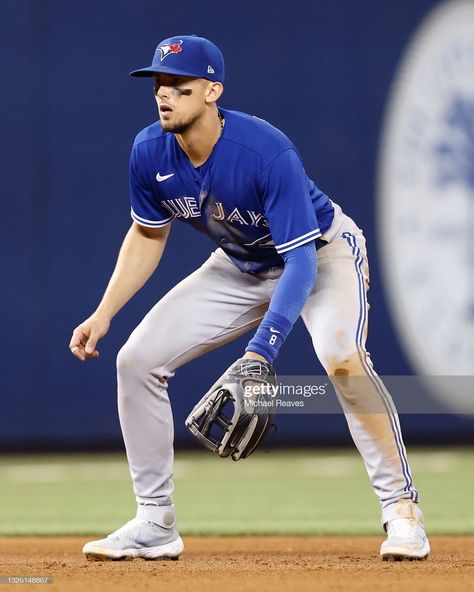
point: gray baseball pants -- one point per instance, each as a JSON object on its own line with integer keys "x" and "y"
{"x": 216, "y": 304}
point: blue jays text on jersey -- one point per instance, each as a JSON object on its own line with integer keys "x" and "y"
{"x": 252, "y": 196}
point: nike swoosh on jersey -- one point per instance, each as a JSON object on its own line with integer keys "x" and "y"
{"x": 272, "y": 330}
{"x": 160, "y": 178}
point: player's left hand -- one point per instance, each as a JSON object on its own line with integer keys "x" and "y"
{"x": 245, "y": 392}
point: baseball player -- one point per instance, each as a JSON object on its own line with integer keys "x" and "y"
{"x": 284, "y": 249}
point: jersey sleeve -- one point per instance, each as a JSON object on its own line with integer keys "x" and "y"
{"x": 287, "y": 202}
{"x": 145, "y": 210}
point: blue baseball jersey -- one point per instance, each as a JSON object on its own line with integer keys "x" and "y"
{"x": 252, "y": 196}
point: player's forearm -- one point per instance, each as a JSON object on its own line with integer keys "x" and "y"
{"x": 291, "y": 293}
{"x": 139, "y": 257}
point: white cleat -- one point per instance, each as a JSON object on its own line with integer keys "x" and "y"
{"x": 406, "y": 537}
{"x": 140, "y": 538}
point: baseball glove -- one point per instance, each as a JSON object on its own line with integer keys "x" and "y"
{"x": 237, "y": 411}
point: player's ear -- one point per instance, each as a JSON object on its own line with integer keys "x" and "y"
{"x": 214, "y": 91}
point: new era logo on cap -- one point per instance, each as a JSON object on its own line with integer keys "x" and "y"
{"x": 210, "y": 70}
{"x": 166, "y": 50}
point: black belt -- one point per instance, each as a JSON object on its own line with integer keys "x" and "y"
{"x": 319, "y": 242}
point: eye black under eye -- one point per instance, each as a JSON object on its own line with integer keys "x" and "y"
{"x": 171, "y": 83}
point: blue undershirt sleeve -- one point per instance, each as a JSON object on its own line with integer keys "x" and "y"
{"x": 292, "y": 291}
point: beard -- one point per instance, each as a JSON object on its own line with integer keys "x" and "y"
{"x": 178, "y": 127}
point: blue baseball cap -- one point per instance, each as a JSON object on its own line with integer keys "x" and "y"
{"x": 186, "y": 55}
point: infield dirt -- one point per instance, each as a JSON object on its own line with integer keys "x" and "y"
{"x": 262, "y": 564}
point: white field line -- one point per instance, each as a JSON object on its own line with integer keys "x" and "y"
{"x": 329, "y": 467}
{"x": 324, "y": 466}
{"x": 59, "y": 472}
{"x": 436, "y": 462}
{"x": 51, "y": 527}
{"x": 433, "y": 462}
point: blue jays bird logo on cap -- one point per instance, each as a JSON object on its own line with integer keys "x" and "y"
{"x": 166, "y": 50}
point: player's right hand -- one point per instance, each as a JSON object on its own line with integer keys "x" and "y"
{"x": 85, "y": 337}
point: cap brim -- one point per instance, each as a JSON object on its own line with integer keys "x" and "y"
{"x": 152, "y": 70}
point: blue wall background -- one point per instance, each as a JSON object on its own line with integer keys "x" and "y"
{"x": 319, "y": 70}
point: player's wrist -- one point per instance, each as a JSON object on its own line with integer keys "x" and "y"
{"x": 250, "y": 355}
{"x": 103, "y": 313}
